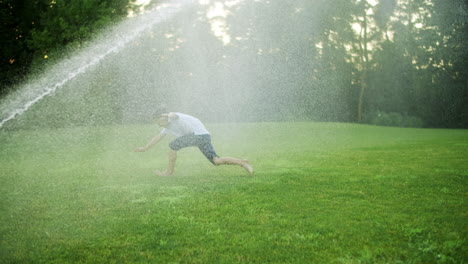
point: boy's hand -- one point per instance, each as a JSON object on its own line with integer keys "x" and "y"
{"x": 141, "y": 149}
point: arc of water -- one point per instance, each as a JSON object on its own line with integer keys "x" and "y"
{"x": 116, "y": 42}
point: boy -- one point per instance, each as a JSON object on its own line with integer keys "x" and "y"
{"x": 189, "y": 132}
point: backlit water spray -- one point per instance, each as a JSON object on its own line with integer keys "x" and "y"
{"x": 63, "y": 72}
{"x": 221, "y": 61}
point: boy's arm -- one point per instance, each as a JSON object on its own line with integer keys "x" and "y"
{"x": 153, "y": 142}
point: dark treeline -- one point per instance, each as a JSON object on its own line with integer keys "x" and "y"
{"x": 395, "y": 62}
{"x": 34, "y": 31}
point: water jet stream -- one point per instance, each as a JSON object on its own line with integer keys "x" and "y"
{"x": 112, "y": 42}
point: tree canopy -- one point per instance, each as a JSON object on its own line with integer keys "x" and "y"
{"x": 386, "y": 62}
{"x": 33, "y": 30}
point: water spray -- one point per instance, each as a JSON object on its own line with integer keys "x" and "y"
{"x": 66, "y": 70}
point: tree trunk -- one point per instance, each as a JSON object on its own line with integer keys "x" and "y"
{"x": 365, "y": 65}
{"x": 361, "y": 94}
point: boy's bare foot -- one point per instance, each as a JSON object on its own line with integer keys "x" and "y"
{"x": 247, "y": 167}
{"x": 163, "y": 173}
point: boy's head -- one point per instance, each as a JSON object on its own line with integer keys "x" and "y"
{"x": 163, "y": 120}
{"x": 160, "y": 114}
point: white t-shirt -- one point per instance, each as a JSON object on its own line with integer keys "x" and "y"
{"x": 184, "y": 125}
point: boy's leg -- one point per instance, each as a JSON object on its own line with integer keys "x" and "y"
{"x": 172, "y": 162}
{"x": 233, "y": 161}
{"x": 177, "y": 144}
{"x": 207, "y": 149}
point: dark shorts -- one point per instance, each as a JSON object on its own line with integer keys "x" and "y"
{"x": 203, "y": 142}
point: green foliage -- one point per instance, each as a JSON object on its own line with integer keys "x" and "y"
{"x": 17, "y": 18}
{"x": 402, "y": 72}
{"x": 322, "y": 193}
{"x": 72, "y": 22}
{"x": 32, "y": 29}
{"x": 409, "y": 57}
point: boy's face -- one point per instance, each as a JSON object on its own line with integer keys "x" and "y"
{"x": 162, "y": 121}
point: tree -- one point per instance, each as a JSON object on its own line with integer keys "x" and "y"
{"x": 32, "y": 30}
{"x": 17, "y": 18}
{"x": 449, "y": 58}
{"x": 71, "y": 22}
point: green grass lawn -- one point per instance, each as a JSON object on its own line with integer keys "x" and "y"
{"x": 321, "y": 193}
